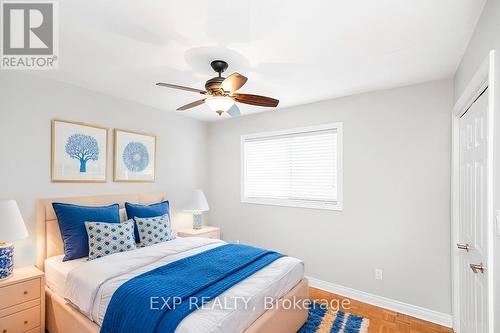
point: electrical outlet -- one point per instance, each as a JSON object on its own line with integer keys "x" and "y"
{"x": 378, "y": 274}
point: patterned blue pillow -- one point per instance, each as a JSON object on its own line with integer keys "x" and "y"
{"x": 154, "y": 230}
{"x": 109, "y": 238}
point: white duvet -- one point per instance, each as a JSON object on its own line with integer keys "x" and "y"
{"x": 90, "y": 285}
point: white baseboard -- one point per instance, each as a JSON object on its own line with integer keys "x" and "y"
{"x": 384, "y": 302}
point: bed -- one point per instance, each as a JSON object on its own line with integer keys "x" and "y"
{"x": 77, "y": 304}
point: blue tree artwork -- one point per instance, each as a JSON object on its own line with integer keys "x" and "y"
{"x": 136, "y": 156}
{"x": 83, "y": 148}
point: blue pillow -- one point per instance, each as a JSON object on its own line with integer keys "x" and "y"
{"x": 109, "y": 238}
{"x": 72, "y": 218}
{"x": 154, "y": 230}
{"x": 137, "y": 210}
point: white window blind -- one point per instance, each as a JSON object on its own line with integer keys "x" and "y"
{"x": 297, "y": 167}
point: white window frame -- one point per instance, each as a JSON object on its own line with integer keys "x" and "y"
{"x": 338, "y": 205}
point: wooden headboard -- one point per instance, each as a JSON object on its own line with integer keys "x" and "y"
{"x": 48, "y": 236}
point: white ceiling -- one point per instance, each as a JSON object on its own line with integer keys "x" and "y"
{"x": 296, "y": 51}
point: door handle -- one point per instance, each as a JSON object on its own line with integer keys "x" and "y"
{"x": 477, "y": 268}
{"x": 465, "y": 247}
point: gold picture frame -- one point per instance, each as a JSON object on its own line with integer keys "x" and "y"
{"x": 134, "y": 157}
{"x": 67, "y": 137}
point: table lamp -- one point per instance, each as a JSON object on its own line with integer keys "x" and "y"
{"x": 11, "y": 228}
{"x": 197, "y": 204}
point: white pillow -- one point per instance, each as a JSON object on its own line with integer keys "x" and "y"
{"x": 123, "y": 215}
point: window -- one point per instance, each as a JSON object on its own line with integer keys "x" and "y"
{"x": 300, "y": 167}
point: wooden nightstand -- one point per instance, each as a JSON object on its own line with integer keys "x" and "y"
{"x": 22, "y": 302}
{"x": 206, "y": 231}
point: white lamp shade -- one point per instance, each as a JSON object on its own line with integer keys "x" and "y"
{"x": 219, "y": 103}
{"x": 197, "y": 202}
{"x": 11, "y": 222}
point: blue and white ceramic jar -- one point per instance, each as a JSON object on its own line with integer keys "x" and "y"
{"x": 197, "y": 221}
{"x": 6, "y": 260}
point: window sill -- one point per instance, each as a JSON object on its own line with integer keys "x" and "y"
{"x": 285, "y": 203}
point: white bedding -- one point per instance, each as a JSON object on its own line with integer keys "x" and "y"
{"x": 89, "y": 285}
{"x": 56, "y": 272}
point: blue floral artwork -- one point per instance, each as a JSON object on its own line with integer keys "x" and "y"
{"x": 83, "y": 148}
{"x": 136, "y": 156}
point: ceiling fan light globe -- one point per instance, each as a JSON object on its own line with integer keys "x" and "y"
{"x": 219, "y": 103}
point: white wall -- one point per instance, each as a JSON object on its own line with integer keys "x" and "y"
{"x": 396, "y": 194}
{"x": 486, "y": 37}
{"x": 27, "y": 105}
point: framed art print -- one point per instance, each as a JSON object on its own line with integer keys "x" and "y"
{"x": 135, "y": 157}
{"x": 79, "y": 152}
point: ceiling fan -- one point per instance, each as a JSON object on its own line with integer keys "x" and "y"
{"x": 220, "y": 93}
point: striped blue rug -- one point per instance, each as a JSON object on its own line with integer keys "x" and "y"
{"x": 324, "y": 320}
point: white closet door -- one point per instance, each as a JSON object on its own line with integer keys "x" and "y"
{"x": 473, "y": 221}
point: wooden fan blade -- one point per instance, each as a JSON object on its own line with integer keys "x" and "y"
{"x": 168, "y": 85}
{"x": 233, "y": 82}
{"x": 256, "y": 100}
{"x": 191, "y": 105}
{"x": 234, "y": 111}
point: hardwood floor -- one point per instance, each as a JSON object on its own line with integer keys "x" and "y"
{"x": 381, "y": 320}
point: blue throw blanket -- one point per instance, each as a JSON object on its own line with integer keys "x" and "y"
{"x": 181, "y": 284}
